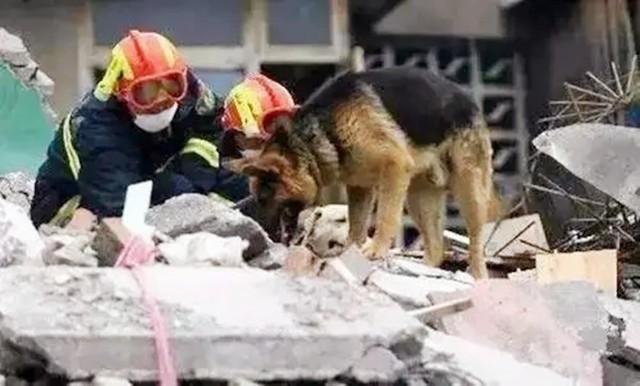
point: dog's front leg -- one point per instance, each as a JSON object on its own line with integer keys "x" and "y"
{"x": 360, "y": 207}
{"x": 391, "y": 194}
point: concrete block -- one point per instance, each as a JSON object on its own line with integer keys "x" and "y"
{"x": 191, "y": 213}
{"x": 12, "y": 50}
{"x": 111, "y": 237}
{"x": 500, "y": 240}
{"x": 413, "y": 291}
{"x": 17, "y": 188}
{"x": 224, "y": 323}
{"x": 204, "y": 249}
{"x": 560, "y": 326}
{"x": 448, "y": 360}
{"x": 272, "y": 258}
{"x": 20, "y": 243}
{"x": 109, "y": 381}
{"x": 300, "y": 261}
{"x": 624, "y": 334}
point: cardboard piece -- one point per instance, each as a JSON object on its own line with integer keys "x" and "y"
{"x": 597, "y": 267}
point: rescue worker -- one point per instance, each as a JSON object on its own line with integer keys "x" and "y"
{"x": 148, "y": 118}
{"x": 249, "y": 111}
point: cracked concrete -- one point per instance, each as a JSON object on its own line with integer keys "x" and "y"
{"x": 191, "y": 213}
{"x": 225, "y": 323}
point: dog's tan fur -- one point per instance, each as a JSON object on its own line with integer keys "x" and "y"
{"x": 381, "y": 163}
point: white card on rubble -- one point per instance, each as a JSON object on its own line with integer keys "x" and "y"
{"x": 136, "y": 206}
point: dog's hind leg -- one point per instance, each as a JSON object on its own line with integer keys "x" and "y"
{"x": 360, "y": 208}
{"x": 471, "y": 184}
{"x": 426, "y": 206}
{"x": 391, "y": 193}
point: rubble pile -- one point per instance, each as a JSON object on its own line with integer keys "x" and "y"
{"x": 242, "y": 309}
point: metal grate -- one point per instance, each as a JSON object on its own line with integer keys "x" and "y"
{"x": 494, "y": 75}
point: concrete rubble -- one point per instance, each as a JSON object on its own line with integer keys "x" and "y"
{"x": 229, "y": 295}
{"x": 17, "y": 188}
{"x": 16, "y": 57}
{"x": 223, "y": 321}
{"x": 20, "y": 243}
{"x": 191, "y": 213}
{"x": 603, "y": 155}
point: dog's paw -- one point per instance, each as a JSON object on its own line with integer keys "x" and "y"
{"x": 374, "y": 251}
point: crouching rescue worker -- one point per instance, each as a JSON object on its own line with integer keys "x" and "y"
{"x": 251, "y": 111}
{"x": 148, "y": 118}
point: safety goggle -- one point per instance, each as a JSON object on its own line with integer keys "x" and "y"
{"x": 146, "y": 93}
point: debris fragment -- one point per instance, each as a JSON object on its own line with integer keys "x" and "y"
{"x": 204, "y": 248}
{"x": 222, "y": 322}
{"x": 561, "y": 326}
{"x": 604, "y": 155}
{"x": 596, "y": 267}
{"x": 20, "y": 243}
{"x": 191, "y": 213}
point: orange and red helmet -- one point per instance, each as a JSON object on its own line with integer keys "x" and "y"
{"x": 145, "y": 71}
{"x": 251, "y": 105}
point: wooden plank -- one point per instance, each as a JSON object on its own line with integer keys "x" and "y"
{"x": 597, "y": 267}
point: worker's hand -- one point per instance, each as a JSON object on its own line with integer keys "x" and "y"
{"x": 83, "y": 220}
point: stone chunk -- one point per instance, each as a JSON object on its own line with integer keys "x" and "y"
{"x": 204, "y": 249}
{"x": 17, "y": 188}
{"x": 448, "y": 360}
{"x": 111, "y": 237}
{"x": 223, "y": 323}
{"x": 561, "y": 326}
{"x": 20, "y": 243}
{"x": 191, "y": 213}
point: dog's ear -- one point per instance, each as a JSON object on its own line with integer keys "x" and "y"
{"x": 280, "y": 128}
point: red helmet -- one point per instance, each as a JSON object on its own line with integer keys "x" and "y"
{"x": 145, "y": 70}
{"x": 252, "y": 104}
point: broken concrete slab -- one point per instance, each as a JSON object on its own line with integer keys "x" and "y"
{"x": 204, "y": 249}
{"x": 20, "y": 243}
{"x": 300, "y": 261}
{"x": 603, "y": 155}
{"x": 273, "y": 258}
{"x": 17, "y": 188}
{"x": 624, "y": 335}
{"x": 191, "y": 213}
{"x": 221, "y": 321}
{"x": 413, "y": 292}
{"x": 448, "y": 360}
{"x": 561, "y": 326}
{"x": 16, "y": 57}
{"x": 506, "y": 237}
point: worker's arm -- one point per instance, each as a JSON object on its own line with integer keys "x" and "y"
{"x": 198, "y": 163}
{"x": 110, "y": 159}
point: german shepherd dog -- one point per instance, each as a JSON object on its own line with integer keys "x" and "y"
{"x": 387, "y": 134}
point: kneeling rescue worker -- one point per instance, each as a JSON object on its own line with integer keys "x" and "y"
{"x": 148, "y": 118}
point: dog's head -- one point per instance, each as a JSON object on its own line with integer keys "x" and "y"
{"x": 280, "y": 178}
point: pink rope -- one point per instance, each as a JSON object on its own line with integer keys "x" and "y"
{"x": 135, "y": 253}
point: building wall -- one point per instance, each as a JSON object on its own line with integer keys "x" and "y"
{"x": 51, "y": 29}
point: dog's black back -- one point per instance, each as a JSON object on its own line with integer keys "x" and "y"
{"x": 426, "y": 106}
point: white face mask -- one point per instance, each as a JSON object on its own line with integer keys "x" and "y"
{"x": 153, "y": 123}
